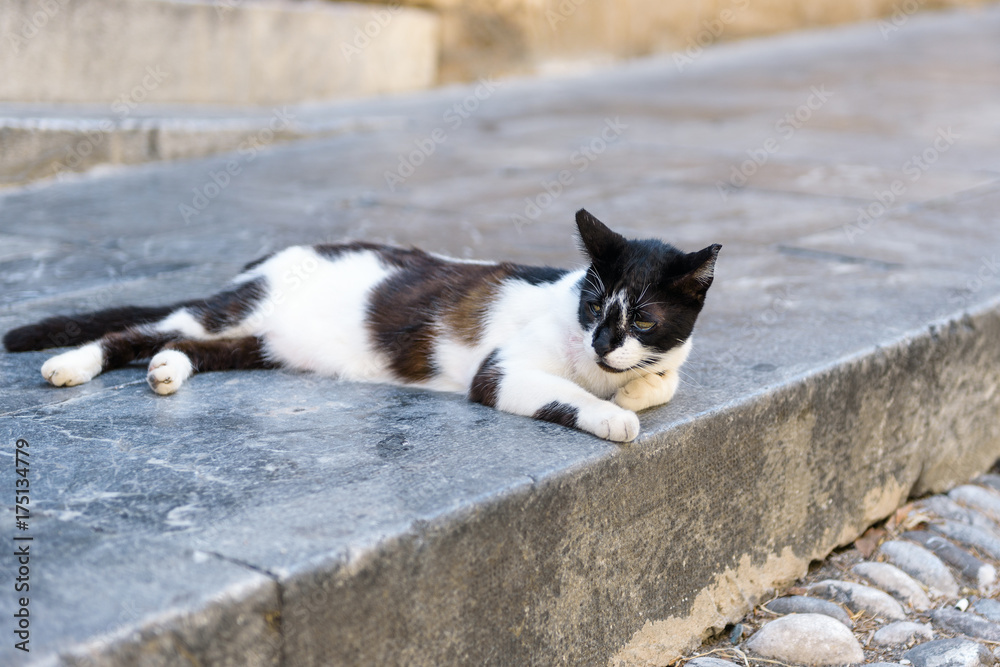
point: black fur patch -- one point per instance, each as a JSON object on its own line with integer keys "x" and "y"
{"x": 557, "y": 413}
{"x": 72, "y": 330}
{"x": 485, "y": 386}
{"x": 226, "y": 309}
{"x": 223, "y": 354}
{"x": 536, "y": 275}
{"x": 257, "y": 262}
{"x": 406, "y": 309}
{"x": 123, "y": 347}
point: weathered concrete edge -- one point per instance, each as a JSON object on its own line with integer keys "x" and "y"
{"x": 240, "y": 626}
{"x": 634, "y": 559}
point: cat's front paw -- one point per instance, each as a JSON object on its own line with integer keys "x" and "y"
{"x": 74, "y": 367}
{"x": 647, "y": 391}
{"x": 611, "y": 423}
{"x": 168, "y": 370}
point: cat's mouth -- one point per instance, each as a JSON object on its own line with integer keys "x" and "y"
{"x": 611, "y": 369}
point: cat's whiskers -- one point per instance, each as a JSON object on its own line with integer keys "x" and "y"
{"x": 641, "y": 294}
{"x": 600, "y": 282}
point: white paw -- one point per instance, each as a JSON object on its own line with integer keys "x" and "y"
{"x": 610, "y": 422}
{"x": 74, "y": 367}
{"x": 168, "y": 370}
{"x": 647, "y": 391}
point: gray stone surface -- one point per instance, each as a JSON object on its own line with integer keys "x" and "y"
{"x": 807, "y": 639}
{"x": 902, "y": 633}
{"x": 950, "y": 653}
{"x": 985, "y": 500}
{"x": 991, "y": 480}
{"x": 860, "y": 598}
{"x": 811, "y": 407}
{"x": 894, "y": 581}
{"x": 946, "y": 508}
{"x": 800, "y": 604}
{"x": 981, "y": 574}
{"x": 922, "y": 565}
{"x": 987, "y": 608}
{"x": 117, "y": 596}
{"x": 985, "y": 541}
{"x": 967, "y": 623}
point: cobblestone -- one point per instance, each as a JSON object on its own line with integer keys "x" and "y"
{"x": 807, "y": 639}
{"x": 800, "y": 604}
{"x": 967, "y": 623}
{"x": 985, "y": 500}
{"x": 860, "y": 598}
{"x": 922, "y": 565}
{"x": 950, "y": 653}
{"x": 983, "y": 575}
{"x": 902, "y": 633}
{"x": 958, "y": 632}
{"x": 895, "y": 582}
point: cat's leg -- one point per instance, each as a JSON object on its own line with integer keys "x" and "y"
{"x": 648, "y": 390}
{"x": 179, "y": 360}
{"x": 535, "y": 393}
{"x": 111, "y": 351}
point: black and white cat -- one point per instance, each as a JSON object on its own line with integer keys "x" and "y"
{"x": 584, "y": 348}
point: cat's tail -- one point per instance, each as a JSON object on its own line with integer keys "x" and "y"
{"x": 64, "y": 331}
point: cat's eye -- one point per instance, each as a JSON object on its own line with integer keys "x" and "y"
{"x": 642, "y": 325}
{"x": 595, "y": 307}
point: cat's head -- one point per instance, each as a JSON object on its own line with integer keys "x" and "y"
{"x": 639, "y": 299}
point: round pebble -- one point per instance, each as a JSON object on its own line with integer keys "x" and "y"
{"x": 815, "y": 640}
{"x": 983, "y": 574}
{"x": 985, "y": 540}
{"x": 902, "y": 633}
{"x": 988, "y": 608}
{"x": 967, "y": 623}
{"x": 897, "y": 583}
{"x": 800, "y": 604}
{"x": 949, "y": 653}
{"x": 859, "y": 597}
{"x": 986, "y": 501}
{"x": 922, "y": 565}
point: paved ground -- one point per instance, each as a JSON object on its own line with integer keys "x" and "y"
{"x": 920, "y": 587}
{"x": 261, "y": 510}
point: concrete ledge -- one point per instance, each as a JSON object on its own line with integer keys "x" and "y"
{"x": 49, "y": 141}
{"x": 257, "y": 53}
{"x": 842, "y": 363}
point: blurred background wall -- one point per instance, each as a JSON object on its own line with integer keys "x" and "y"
{"x": 259, "y": 52}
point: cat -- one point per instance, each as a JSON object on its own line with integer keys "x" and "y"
{"x": 585, "y": 349}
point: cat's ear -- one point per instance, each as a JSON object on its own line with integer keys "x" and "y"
{"x": 599, "y": 242}
{"x": 698, "y": 279}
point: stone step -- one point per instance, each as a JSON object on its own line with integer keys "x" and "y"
{"x": 842, "y": 364}
{"x": 228, "y": 52}
{"x": 56, "y": 140}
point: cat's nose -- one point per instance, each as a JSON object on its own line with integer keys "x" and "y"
{"x": 602, "y": 343}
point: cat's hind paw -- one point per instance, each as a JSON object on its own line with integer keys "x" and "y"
{"x": 74, "y": 367}
{"x": 168, "y": 370}
{"x": 610, "y": 423}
